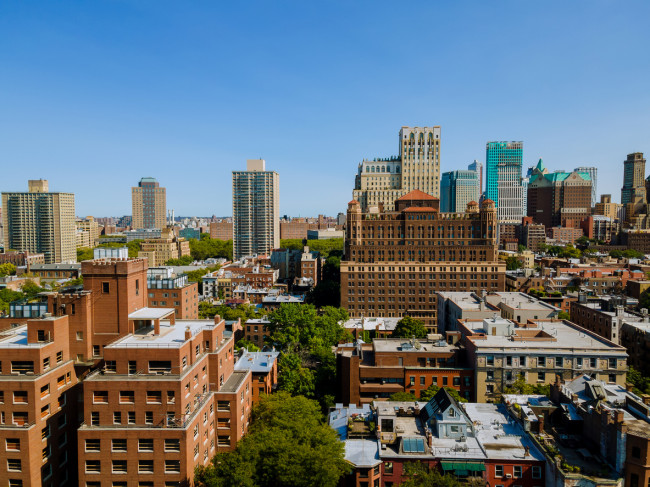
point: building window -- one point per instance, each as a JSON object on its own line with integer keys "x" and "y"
{"x": 106, "y": 287}
{"x": 517, "y": 471}
{"x": 117, "y": 417}
{"x": 537, "y": 472}
{"x": 145, "y": 444}
{"x": 119, "y": 466}
{"x": 498, "y": 470}
{"x": 172, "y": 445}
{"x": 489, "y": 360}
{"x": 145, "y": 466}
{"x": 148, "y": 417}
{"x": 93, "y": 445}
{"x": 541, "y": 376}
{"x": 172, "y": 466}
{"x": 93, "y": 466}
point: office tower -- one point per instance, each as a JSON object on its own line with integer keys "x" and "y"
{"x": 396, "y": 260}
{"x": 40, "y": 222}
{"x": 457, "y": 189}
{"x": 633, "y": 178}
{"x": 384, "y": 180}
{"x": 503, "y": 179}
{"x": 559, "y": 198}
{"x": 593, "y": 175}
{"x": 477, "y": 167}
{"x": 149, "y": 202}
{"x": 256, "y": 209}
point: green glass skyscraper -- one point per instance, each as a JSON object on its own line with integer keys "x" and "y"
{"x": 503, "y": 161}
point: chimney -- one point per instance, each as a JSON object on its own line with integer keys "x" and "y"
{"x": 618, "y": 416}
{"x": 188, "y": 333}
{"x": 619, "y": 311}
{"x": 526, "y": 451}
{"x": 217, "y": 319}
{"x": 156, "y": 327}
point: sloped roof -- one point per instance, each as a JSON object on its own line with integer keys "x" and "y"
{"x": 416, "y": 194}
{"x": 418, "y": 209}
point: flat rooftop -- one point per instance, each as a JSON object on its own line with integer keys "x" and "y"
{"x": 257, "y": 361}
{"x": 234, "y": 381}
{"x": 406, "y": 345}
{"x": 171, "y": 336}
{"x": 562, "y": 335}
{"x": 371, "y": 324}
{"x": 17, "y": 338}
{"x": 499, "y": 435}
{"x": 151, "y": 313}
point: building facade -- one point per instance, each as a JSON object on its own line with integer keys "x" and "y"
{"x": 256, "y": 209}
{"x": 395, "y": 261}
{"x": 593, "y": 176}
{"x": 40, "y": 222}
{"x": 457, "y": 189}
{"x": 384, "y": 180}
{"x": 149, "y": 203}
{"x": 503, "y": 161}
{"x": 221, "y": 230}
{"x": 559, "y": 198}
{"x": 477, "y": 167}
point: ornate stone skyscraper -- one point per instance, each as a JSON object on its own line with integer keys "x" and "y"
{"x": 417, "y": 167}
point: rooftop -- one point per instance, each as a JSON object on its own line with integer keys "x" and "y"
{"x": 234, "y": 381}
{"x": 257, "y": 361}
{"x": 372, "y": 324}
{"x": 151, "y": 313}
{"x": 554, "y": 335}
{"x": 171, "y": 336}
{"x": 406, "y": 345}
{"x": 17, "y": 337}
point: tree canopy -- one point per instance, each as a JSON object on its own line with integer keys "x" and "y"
{"x": 242, "y": 311}
{"x": 7, "y": 269}
{"x": 513, "y": 263}
{"x": 409, "y": 327}
{"x": 206, "y": 248}
{"x": 327, "y": 247}
{"x": 287, "y": 445}
{"x": 185, "y": 260}
{"x": 328, "y": 291}
{"x": 305, "y": 336}
{"x": 420, "y": 475}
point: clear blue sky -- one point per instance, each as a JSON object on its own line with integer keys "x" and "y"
{"x": 96, "y": 94}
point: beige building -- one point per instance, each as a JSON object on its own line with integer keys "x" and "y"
{"x": 160, "y": 250}
{"x": 149, "y": 203}
{"x": 87, "y": 232}
{"x": 615, "y": 211}
{"x": 40, "y": 221}
{"x": 255, "y": 209}
{"x": 416, "y": 167}
{"x": 502, "y": 351}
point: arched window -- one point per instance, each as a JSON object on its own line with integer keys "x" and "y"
{"x": 412, "y": 138}
{"x": 373, "y": 168}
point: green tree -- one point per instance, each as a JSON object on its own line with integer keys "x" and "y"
{"x": 7, "y": 269}
{"x": 420, "y": 475}
{"x": 431, "y": 391}
{"x": 521, "y": 248}
{"x": 542, "y": 247}
{"x": 520, "y": 386}
{"x": 409, "y": 327}
{"x": 185, "y": 260}
{"x": 84, "y": 253}
{"x": 633, "y": 254}
{"x": 513, "y": 263}
{"x": 206, "y": 248}
{"x": 616, "y": 254}
{"x": 287, "y": 445}
{"x": 250, "y": 346}
{"x": 403, "y": 396}
{"x": 563, "y": 315}
{"x": 584, "y": 240}
{"x": 328, "y": 247}
{"x": 293, "y": 377}
{"x": 570, "y": 252}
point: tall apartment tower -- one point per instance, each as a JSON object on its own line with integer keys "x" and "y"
{"x": 256, "y": 209}
{"x": 477, "y": 167}
{"x": 384, "y": 180}
{"x": 41, "y": 222}
{"x": 503, "y": 179}
{"x": 458, "y": 189}
{"x": 633, "y": 178}
{"x": 149, "y": 202}
{"x": 593, "y": 175}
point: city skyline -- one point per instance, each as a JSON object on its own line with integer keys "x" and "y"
{"x": 89, "y": 95}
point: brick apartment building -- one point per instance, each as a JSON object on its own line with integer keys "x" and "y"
{"x": 264, "y": 367}
{"x": 20, "y": 259}
{"x": 221, "y": 230}
{"x": 167, "y": 400}
{"x": 38, "y": 400}
{"x": 375, "y": 371}
{"x": 396, "y": 261}
{"x": 166, "y": 290}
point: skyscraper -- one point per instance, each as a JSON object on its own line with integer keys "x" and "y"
{"x": 384, "y": 180}
{"x": 457, "y": 189}
{"x": 593, "y": 175}
{"x": 40, "y": 221}
{"x": 149, "y": 203}
{"x": 503, "y": 179}
{"x": 478, "y": 168}
{"x": 256, "y": 209}
{"x": 633, "y": 178}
